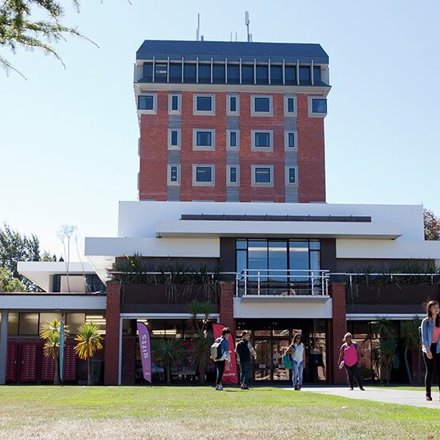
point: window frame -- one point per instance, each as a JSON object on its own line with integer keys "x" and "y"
{"x": 256, "y": 184}
{"x": 262, "y": 114}
{"x": 263, "y": 149}
{"x": 313, "y": 114}
{"x": 228, "y": 140}
{"x": 203, "y": 147}
{"x": 179, "y": 139}
{"x": 169, "y": 181}
{"x": 228, "y": 105}
{"x": 228, "y": 175}
{"x": 152, "y": 111}
{"x": 170, "y": 104}
{"x": 194, "y": 174}
{"x": 286, "y": 140}
{"x": 287, "y": 171}
{"x": 204, "y": 112}
{"x": 286, "y": 105}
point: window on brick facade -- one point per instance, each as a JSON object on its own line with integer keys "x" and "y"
{"x": 173, "y": 175}
{"x": 262, "y": 140}
{"x": 174, "y": 139}
{"x": 174, "y": 104}
{"x": 147, "y": 102}
{"x": 262, "y": 175}
{"x": 290, "y": 140}
{"x": 289, "y": 105}
{"x": 232, "y": 174}
{"x": 203, "y": 175}
{"x": 203, "y": 139}
{"x": 204, "y": 104}
{"x": 319, "y": 105}
{"x": 233, "y": 139}
{"x": 290, "y": 175}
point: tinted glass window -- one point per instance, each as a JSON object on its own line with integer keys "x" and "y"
{"x": 233, "y": 74}
{"x": 175, "y": 103}
{"x": 247, "y": 74}
{"x": 299, "y": 258}
{"x": 262, "y": 175}
{"x": 233, "y": 175}
{"x": 160, "y": 72}
{"x": 232, "y": 103}
{"x": 277, "y": 254}
{"x": 257, "y": 255}
{"x": 148, "y": 72}
{"x": 262, "y": 139}
{"x": 203, "y": 174}
{"x": 319, "y": 105}
{"x": 261, "y": 105}
{"x": 290, "y": 105}
{"x": 204, "y": 104}
{"x": 304, "y": 75}
{"x": 146, "y": 102}
{"x": 316, "y": 75}
{"x": 232, "y": 138}
{"x": 173, "y": 174}
{"x": 262, "y": 74}
{"x": 174, "y": 137}
{"x": 189, "y": 73}
{"x": 175, "y": 73}
{"x": 291, "y": 140}
{"x": 290, "y": 72}
{"x": 28, "y": 324}
{"x": 219, "y": 73}
{"x": 292, "y": 175}
{"x": 204, "y": 139}
{"x": 204, "y": 73}
{"x": 276, "y": 74}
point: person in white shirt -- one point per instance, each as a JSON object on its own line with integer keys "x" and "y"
{"x": 297, "y": 351}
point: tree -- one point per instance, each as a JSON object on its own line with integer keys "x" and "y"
{"x": 411, "y": 339}
{"x": 431, "y": 225}
{"x": 18, "y": 28}
{"x": 168, "y": 352}
{"x": 8, "y": 283}
{"x": 51, "y": 333}
{"x": 89, "y": 341}
{"x": 384, "y": 329}
{"x": 65, "y": 234}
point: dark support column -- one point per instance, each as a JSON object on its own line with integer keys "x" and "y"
{"x": 112, "y": 318}
{"x": 227, "y": 305}
{"x": 338, "y": 328}
{"x": 3, "y": 346}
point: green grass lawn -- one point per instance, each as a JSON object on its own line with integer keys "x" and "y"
{"x": 47, "y": 412}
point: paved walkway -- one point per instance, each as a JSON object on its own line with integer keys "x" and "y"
{"x": 384, "y": 395}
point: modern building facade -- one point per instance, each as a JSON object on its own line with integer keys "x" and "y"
{"x": 232, "y": 212}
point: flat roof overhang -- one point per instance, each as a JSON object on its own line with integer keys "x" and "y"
{"x": 206, "y": 229}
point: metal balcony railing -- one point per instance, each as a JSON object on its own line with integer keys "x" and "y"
{"x": 282, "y": 282}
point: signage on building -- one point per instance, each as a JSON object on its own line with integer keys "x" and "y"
{"x": 145, "y": 349}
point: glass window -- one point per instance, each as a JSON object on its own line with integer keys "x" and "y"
{"x": 277, "y": 251}
{"x": 175, "y": 72}
{"x": 241, "y": 244}
{"x": 262, "y": 74}
{"x": 148, "y": 72}
{"x": 219, "y": 74}
{"x": 233, "y": 141}
{"x": 262, "y": 104}
{"x": 203, "y": 174}
{"x": 290, "y": 74}
{"x": 204, "y": 103}
{"x": 263, "y": 175}
{"x": 291, "y": 139}
{"x": 315, "y": 245}
{"x": 241, "y": 260}
{"x": 262, "y": 139}
{"x": 299, "y": 258}
{"x": 146, "y": 102}
{"x": 160, "y": 72}
{"x": 204, "y": 73}
{"x": 291, "y": 175}
{"x": 174, "y": 173}
{"x": 290, "y": 105}
{"x": 175, "y": 103}
{"x": 319, "y": 105}
{"x": 233, "y": 74}
{"x": 47, "y": 317}
{"x": 28, "y": 324}
{"x": 204, "y": 139}
{"x": 247, "y": 74}
{"x": 13, "y": 323}
{"x": 316, "y": 75}
{"x": 257, "y": 255}
{"x": 74, "y": 321}
{"x": 233, "y": 174}
{"x": 233, "y": 104}
{"x": 304, "y": 75}
{"x": 276, "y": 74}
{"x": 174, "y": 138}
{"x": 189, "y": 72}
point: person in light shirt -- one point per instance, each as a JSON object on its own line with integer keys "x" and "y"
{"x": 430, "y": 332}
{"x": 297, "y": 351}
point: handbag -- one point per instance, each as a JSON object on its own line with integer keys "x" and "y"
{"x": 287, "y": 361}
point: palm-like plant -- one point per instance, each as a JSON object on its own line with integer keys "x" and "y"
{"x": 387, "y": 354}
{"x": 168, "y": 352}
{"x": 88, "y": 343}
{"x": 410, "y": 337}
{"x": 51, "y": 333}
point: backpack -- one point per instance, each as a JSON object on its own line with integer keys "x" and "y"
{"x": 216, "y": 349}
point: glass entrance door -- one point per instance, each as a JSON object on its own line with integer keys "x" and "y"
{"x": 279, "y": 347}
{"x": 262, "y": 365}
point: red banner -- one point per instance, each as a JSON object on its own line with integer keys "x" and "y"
{"x": 145, "y": 349}
{"x": 231, "y": 374}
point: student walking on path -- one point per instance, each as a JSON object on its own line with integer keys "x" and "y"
{"x": 350, "y": 359}
{"x": 223, "y": 357}
{"x": 245, "y": 353}
{"x": 430, "y": 330}
{"x": 298, "y": 353}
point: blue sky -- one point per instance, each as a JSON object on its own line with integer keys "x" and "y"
{"x": 68, "y": 144}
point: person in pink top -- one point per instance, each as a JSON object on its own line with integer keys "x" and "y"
{"x": 350, "y": 359}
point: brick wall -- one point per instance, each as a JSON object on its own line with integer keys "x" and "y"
{"x": 227, "y": 305}
{"x": 338, "y": 328}
{"x": 112, "y": 314}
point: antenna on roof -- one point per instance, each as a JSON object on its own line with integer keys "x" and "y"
{"x": 198, "y": 28}
{"x": 247, "y": 23}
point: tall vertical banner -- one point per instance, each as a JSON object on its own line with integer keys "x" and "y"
{"x": 61, "y": 369}
{"x": 145, "y": 349}
{"x": 231, "y": 374}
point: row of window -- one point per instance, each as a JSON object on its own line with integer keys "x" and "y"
{"x": 204, "y": 175}
{"x": 204, "y": 104}
{"x": 231, "y": 73}
{"x": 204, "y": 139}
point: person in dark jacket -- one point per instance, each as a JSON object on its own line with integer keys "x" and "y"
{"x": 245, "y": 352}
{"x": 220, "y": 363}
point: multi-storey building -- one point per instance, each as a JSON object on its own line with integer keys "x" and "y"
{"x": 229, "y": 122}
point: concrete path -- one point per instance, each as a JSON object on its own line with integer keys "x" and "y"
{"x": 384, "y": 395}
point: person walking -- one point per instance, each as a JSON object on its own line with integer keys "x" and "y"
{"x": 223, "y": 357}
{"x": 350, "y": 359}
{"x": 298, "y": 353}
{"x": 430, "y": 332}
{"x": 245, "y": 352}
